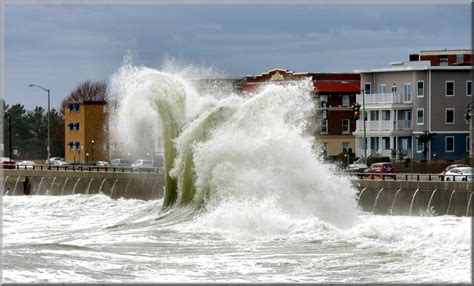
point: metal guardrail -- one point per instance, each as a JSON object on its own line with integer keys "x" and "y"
{"x": 412, "y": 177}
{"x": 87, "y": 168}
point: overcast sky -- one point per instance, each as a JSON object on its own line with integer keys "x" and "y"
{"x": 58, "y": 46}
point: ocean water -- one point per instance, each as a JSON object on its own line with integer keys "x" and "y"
{"x": 95, "y": 239}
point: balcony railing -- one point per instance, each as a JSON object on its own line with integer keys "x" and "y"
{"x": 382, "y": 152}
{"x": 384, "y": 125}
{"x": 384, "y": 98}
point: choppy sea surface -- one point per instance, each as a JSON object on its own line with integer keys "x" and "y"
{"x": 95, "y": 239}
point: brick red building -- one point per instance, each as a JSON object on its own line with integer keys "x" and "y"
{"x": 335, "y": 94}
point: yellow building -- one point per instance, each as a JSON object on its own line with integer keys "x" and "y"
{"x": 86, "y": 131}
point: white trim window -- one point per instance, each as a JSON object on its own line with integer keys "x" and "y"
{"x": 419, "y": 146}
{"x": 368, "y": 88}
{"x": 467, "y": 144}
{"x": 449, "y": 116}
{"x": 449, "y": 144}
{"x": 449, "y": 88}
{"x": 386, "y": 143}
{"x": 420, "y": 88}
{"x": 420, "y": 116}
{"x": 407, "y": 92}
{"x": 345, "y": 126}
{"x": 468, "y": 88}
{"x": 324, "y": 126}
{"x": 345, "y": 100}
{"x": 394, "y": 88}
{"x": 382, "y": 88}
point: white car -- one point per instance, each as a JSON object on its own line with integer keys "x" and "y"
{"x": 53, "y": 159}
{"x": 60, "y": 163}
{"x": 459, "y": 174}
{"x": 142, "y": 164}
{"x": 26, "y": 164}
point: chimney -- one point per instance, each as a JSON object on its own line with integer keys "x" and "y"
{"x": 414, "y": 57}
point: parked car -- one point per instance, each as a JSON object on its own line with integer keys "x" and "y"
{"x": 60, "y": 163}
{"x": 119, "y": 163}
{"x": 442, "y": 174}
{"x": 7, "y": 164}
{"x": 459, "y": 174}
{"x": 356, "y": 168}
{"x": 52, "y": 159}
{"x": 142, "y": 164}
{"x": 26, "y": 164}
{"x": 381, "y": 168}
{"x": 102, "y": 163}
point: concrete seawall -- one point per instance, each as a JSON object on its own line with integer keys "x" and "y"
{"x": 114, "y": 184}
{"x": 377, "y": 196}
{"x": 415, "y": 198}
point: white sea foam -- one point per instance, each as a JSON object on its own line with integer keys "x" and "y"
{"x": 235, "y": 149}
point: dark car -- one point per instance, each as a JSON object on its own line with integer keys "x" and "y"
{"x": 442, "y": 174}
{"x": 381, "y": 168}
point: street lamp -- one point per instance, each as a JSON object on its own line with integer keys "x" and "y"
{"x": 363, "y": 117}
{"x": 49, "y": 140}
{"x": 7, "y": 115}
{"x": 92, "y": 153}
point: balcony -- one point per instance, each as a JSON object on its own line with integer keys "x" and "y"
{"x": 384, "y": 125}
{"x": 382, "y": 152}
{"x": 387, "y": 99}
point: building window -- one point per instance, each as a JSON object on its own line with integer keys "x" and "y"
{"x": 345, "y": 126}
{"x": 394, "y": 88}
{"x": 420, "y": 116}
{"x": 71, "y": 145}
{"x": 449, "y": 116}
{"x": 382, "y": 88}
{"x": 468, "y": 88}
{"x": 76, "y": 126}
{"x": 71, "y": 126}
{"x": 449, "y": 143}
{"x": 443, "y": 61}
{"x": 385, "y": 114}
{"x": 105, "y": 108}
{"x": 386, "y": 143}
{"x": 420, "y": 88}
{"x": 367, "y": 88}
{"x": 407, "y": 92}
{"x": 345, "y": 100}
{"x": 449, "y": 88}
{"x": 78, "y": 145}
{"x": 467, "y": 144}
{"x": 419, "y": 146}
{"x": 459, "y": 59}
{"x": 324, "y": 126}
{"x": 105, "y": 146}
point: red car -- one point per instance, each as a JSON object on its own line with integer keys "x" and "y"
{"x": 442, "y": 174}
{"x": 381, "y": 168}
{"x": 6, "y": 164}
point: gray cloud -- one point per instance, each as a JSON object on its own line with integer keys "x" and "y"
{"x": 59, "y": 45}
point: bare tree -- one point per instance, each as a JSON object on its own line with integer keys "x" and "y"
{"x": 87, "y": 91}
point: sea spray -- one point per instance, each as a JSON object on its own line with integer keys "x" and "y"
{"x": 242, "y": 148}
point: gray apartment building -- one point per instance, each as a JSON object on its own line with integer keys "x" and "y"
{"x": 429, "y": 92}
